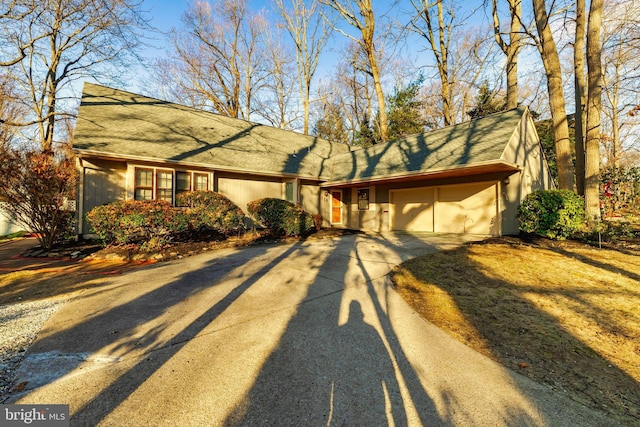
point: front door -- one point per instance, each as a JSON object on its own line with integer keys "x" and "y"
{"x": 336, "y": 207}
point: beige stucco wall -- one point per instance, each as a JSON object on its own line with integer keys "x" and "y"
{"x": 525, "y": 150}
{"x": 242, "y": 191}
{"x": 100, "y": 182}
{"x": 310, "y": 198}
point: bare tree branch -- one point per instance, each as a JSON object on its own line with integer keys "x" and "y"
{"x": 61, "y": 41}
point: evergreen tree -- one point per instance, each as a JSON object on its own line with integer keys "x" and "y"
{"x": 365, "y": 137}
{"x": 404, "y": 113}
{"x": 486, "y": 103}
{"x": 331, "y": 125}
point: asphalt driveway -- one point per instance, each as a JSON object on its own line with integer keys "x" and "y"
{"x": 298, "y": 334}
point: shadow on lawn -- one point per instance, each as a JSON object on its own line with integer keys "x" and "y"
{"x": 518, "y": 332}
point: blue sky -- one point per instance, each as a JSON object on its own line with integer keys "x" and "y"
{"x": 166, "y": 14}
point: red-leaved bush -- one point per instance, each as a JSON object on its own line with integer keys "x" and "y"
{"x": 153, "y": 223}
{"x": 36, "y": 187}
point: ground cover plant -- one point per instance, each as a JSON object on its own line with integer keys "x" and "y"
{"x": 563, "y": 313}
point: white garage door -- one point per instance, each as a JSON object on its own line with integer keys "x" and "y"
{"x": 469, "y": 208}
{"x": 411, "y": 209}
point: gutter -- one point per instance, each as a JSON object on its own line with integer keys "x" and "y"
{"x": 462, "y": 170}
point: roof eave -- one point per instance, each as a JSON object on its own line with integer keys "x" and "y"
{"x": 142, "y": 159}
{"x": 492, "y": 166}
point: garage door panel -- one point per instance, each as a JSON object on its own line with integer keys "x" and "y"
{"x": 412, "y": 210}
{"x": 467, "y": 209}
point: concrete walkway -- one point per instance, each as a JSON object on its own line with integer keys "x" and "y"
{"x": 304, "y": 334}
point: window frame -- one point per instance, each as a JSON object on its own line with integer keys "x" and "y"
{"x": 194, "y": 181}
{"x": 170, "y": 172}
{"x": 164, "y": 181}
{"x": 137, "y": 187}
{"x": 189, "y": 174}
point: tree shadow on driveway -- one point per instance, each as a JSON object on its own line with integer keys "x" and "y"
{"x": 327, "y": 370}
{"x": 297, "y": 334}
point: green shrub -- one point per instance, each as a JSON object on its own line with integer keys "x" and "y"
{"x": 211, "y": 211}
{"x": 153, "y": 223}
{"x": 609, "y": 231}
{"x": 281, "y": 217}
{"x": 556, "y": 214}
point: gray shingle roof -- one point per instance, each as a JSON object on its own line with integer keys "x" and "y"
{"x": 120, "y": 123}
{"x": 475, "y": 142}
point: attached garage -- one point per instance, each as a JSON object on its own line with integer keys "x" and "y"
{"x": 467, "y": 178}
{"x": 465, "y": 208}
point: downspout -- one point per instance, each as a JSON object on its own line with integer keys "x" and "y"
{"x": 80, "y": 197}
{"x": 500, "y": 191}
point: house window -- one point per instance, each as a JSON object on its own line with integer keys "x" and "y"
{"x": 201, "y": 181}
{"x": 160, "y": 184}
{"x": 164, "y": 186}
{"x": 363, "y": 199}
{"x": 143, "y": 184}
{"x": 183, "y": 182}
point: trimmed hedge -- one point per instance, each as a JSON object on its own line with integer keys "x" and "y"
{"x": 281, "y": 217}
{"x": 211, "y": 211}
{"x": 153, "y": 223}
{"x": 556, "y": 214}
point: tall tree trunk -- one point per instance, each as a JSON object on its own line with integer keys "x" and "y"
{"x": 310, "y": 33}
{"x": 580, "y": 94}
{"x": 594, "y": 109}
{"x": 367, "y": 29}
{"x": 511, "y": 49}
{"x": 515, "y": 9}
{"x": 369, "y": 48}
{"x": 551, "y": 61}
{"x": 615, "y": 127}
{"x": 614, "y": 96}
{"x": 447, "y": 108}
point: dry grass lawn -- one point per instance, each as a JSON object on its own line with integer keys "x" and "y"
{"x": 562, "y": 313}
